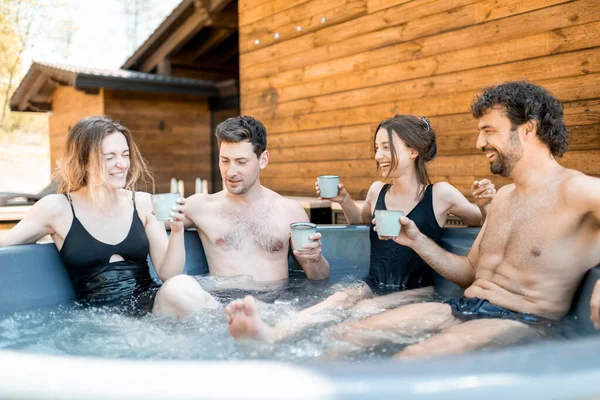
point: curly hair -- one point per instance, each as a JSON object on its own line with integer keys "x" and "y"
{"x": 524, "y": 102}
{"x": 243, "y": 128}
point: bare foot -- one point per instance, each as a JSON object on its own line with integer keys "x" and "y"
{"x": 244, "y": 321}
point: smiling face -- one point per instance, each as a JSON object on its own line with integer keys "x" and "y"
{"x": 240, "y": 166}
{"x": 115, "y": 151}
{"x": 500, "y": 141}
{"x": 404, "y": 155}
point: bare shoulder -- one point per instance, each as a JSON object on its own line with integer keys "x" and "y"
{"x": 505, "y": 190}
{"x": 53, "y": 205}
{"x": 579, "y": 189}
{"x": 143, "y": 201}
{"x": 444, "y": 190}
{"x": 197, "y": 202}
{"x": 287, "y": 206}
{"x": 374, "y": 190}
{"x": 284, "y": 202}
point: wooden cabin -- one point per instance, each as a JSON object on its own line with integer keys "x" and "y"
{"x": 170, "y": 93}
{"x": 321, "y": 75}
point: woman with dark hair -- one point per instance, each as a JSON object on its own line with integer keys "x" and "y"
{"x": 104, "y": 229}
{"x": 403, "y": 145}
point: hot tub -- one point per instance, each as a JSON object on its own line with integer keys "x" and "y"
{"x": 33, "y": 276}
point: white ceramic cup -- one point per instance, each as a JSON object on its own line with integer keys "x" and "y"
{"x": 301, "y": 232}
{"x": 388, "y": 222}
{"x": 328, "y": 185}
{"x": 162, "y": 204}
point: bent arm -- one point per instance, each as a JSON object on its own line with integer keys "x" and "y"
{"x": 455, "y": 268}
{"x": 166, "y": 252}
{"x": 311, "y": 259}
{"x": 36, "y": 224}
{"x": 316, "y": 268}
{"x": 357, "y": 216}
{"x": 353, "y": 214}
{"x": 457, "y": 203}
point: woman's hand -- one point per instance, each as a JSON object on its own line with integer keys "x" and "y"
{"x": 177, "y": 216}
{"x": 409, "y": 233}
{"x": 341, "y": 196}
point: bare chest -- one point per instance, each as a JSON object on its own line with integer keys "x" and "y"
{"x": 533, "y": 234}
{"x": 247, "y": 231}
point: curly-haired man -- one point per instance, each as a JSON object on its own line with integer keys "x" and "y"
{"x": 541, "y": 236}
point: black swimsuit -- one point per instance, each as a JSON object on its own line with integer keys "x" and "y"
{"x": 96, "y": 279}
{"x": 398, "y": 267}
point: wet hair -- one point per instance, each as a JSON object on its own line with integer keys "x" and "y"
{"x": 82, "y": 164}
{"x": 418, "y": 134}
{"x": 524, "y": 102}
{"x": 243, "y": 128}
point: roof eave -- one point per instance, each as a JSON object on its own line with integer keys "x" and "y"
{"x": 87, "y": 81}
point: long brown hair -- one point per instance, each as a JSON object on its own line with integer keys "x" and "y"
{"x": 418, "y": 134}
{"x": 82, "y": 164}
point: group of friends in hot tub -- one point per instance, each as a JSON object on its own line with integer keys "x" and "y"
{"x": 539, "y": 235}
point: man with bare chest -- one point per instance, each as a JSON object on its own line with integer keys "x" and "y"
{"x": 541, "y": 236}
{"x": 245, "y": 229}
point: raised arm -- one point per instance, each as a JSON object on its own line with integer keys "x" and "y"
{"x": 311, "y": 259}
{"x": 455, "y": 268}
{"x": 166, "y": 252}
{"x": 354, "y": 215}
{"x": 38, "y": 222}
{"x": 453, "y": 201}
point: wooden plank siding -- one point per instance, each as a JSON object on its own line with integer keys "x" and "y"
{"x": 182, "y": 149}
{"x": 69, "y": 105}
{"x": 321, "y": 91}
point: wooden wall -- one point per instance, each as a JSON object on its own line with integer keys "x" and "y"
{"x": 182, "y": 148}
{"x": 321, "y": 89}
{"x": 69, "y": 106}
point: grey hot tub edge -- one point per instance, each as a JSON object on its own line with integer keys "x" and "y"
{"x": 34, "y": 276}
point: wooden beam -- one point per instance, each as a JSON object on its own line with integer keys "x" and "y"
{"x": 218, "y": 37}
{"x": 205, "y": 63}
{"x": 226, "y": 18}
{"x": 186, "y": 31}
{"x": 32, "y": 91}
{"x": 164, "y": 67}
{"x": 217, "y": 5}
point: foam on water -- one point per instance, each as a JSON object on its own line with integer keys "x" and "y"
{"x": 105, "y": 332}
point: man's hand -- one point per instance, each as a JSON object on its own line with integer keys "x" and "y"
{"x": 595, "y": 306}
{"x": 311, "y": 251}
{"x": 409, "y": 233}
{"x": 483, "y": 192}
{"x": 177, "y": 216}
{"x": 342, "y": 193}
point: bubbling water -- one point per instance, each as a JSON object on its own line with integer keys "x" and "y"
{"x": 107, "y": 332}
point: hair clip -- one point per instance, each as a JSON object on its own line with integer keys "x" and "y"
{"x": 425, "y": 120}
